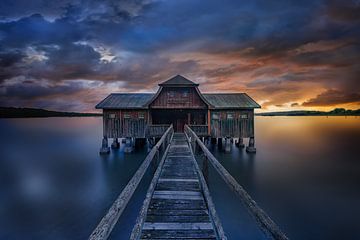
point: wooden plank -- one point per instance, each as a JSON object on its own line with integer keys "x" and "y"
{"x": 178, "y": 218}
{"x": 181, "y": 212}
{"x": 177, "y": 226}
{"x": 190, "y": 193}
{"x": 173, "y": 196}
{"x": 177, "y": 180}
{"x": 178, "y": 234}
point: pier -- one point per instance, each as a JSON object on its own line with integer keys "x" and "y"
{"x": 178, "y": 204}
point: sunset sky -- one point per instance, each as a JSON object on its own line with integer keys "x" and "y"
{"x": 288, "y": 55}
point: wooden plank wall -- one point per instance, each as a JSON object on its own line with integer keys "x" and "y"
{"x": 237, "y": 126}
{"x": 125, "y": 123}
{"x": 178, "y": 97}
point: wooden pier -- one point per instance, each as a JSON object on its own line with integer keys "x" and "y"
{"x": 178, "y": 203}
{"x": 176, "y": 206}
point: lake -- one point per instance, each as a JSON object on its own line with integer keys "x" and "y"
{"x": 305, "y": 175}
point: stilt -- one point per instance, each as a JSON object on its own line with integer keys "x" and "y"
{"x": 104, "y": 146}
{"x": 115, "y": 144}
{"x": 240, "y": 143}
{"x": 251, "y": 147}
{"x": 213, "y": 140}
{"x": 219, "y": 142}
{"x": 227, "y": 145}
{"x": 140, "y": 142}
{"x": 129, "y": 146}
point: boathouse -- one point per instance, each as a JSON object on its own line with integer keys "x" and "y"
{"x": 179, "y": 102}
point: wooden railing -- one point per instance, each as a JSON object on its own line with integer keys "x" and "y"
{"x": 212, "y": 211}
{"x": 268, "y": 226}
{"x": 107, "y": 223}
{"x": 200, "y": 130}
{"x": 156, "y": 130}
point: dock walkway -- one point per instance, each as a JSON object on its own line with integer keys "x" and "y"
{"x": 177, "y": 208}
{"x": 178, "y": 204}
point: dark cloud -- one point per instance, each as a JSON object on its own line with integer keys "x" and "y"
{"x": 295, "y": 105}
{"x": 332, "y": 97}
{"x": 274, "y": 49}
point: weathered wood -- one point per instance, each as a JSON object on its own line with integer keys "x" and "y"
{"x": 177, "y": 201}
{"x": 200, "y": 130}
{"x": 210, "y": 204}
{"x": 107, "y": 223}
{"x": 268, "y": 226}
{"x": 179, "y": 234}
{"x": 135, "y": 234}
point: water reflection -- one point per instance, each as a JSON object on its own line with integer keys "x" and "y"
{"x": 305, "y": 175}
{"x": 54, "y": 184}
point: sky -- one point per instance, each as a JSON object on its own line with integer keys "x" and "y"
{"x": 286, "y": 54}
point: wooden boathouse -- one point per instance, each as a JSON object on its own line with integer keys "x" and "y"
{"x": 178, "y": 101}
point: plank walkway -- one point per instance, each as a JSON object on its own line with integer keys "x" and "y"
{"x": 177, "y": 208}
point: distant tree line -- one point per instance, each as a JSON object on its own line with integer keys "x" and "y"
{"x": 12, "y": 112}
{"x": 334, "y": 112}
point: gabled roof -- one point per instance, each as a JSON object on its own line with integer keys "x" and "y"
{"x": 125, "y": 101}
{"x": 141, "y": 100}
{"x": 178, "y": 80}
{"x": 230, "y": 100}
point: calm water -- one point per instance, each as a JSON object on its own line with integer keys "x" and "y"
{"x": 306, "y": 175}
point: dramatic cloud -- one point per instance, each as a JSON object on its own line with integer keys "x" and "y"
{"x": 283, "y": 53}
{"x": 333, "y": 97}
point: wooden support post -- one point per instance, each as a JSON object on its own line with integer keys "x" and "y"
{"x": 219, "y": 143}
{"x": 129, "y": 146}
{"x": 104, "y": 146}
{"x": 209, "y": 122}
{"x": 251, "y": 147}
{"x": 227, "y": 145}
{"x": 240, "y": 143}
{"x": 115, "y": 144}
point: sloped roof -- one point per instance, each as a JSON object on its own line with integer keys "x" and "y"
{"x": 178, "y": 80}
{"x": 125, "y": 101}
{"x": 230, "y": 100}
{"x": 140, "y": 101}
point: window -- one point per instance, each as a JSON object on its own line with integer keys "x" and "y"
{"x": 171, "y": 94}
{"x": 215, "y": 116}
{"x": 141, "y": 115}
{"x": 230, "y": 115}
{"x": 243, "y": 116}
{"x": 127, "y": 115}
{"x": 112, "y": 115}
{"x": 185, "y": 93}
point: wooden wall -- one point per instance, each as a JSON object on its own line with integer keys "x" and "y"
{"x": 227, "y": 123}
{"x": 125, "y": 123}
{"x": 178, "y": 97}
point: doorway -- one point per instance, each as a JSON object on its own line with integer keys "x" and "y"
{"x": 178, "y": 118}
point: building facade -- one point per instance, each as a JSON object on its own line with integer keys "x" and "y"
{"x": 178, "y": 101}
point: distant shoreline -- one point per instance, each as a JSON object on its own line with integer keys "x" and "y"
{"x": 335, "y": 112}
{"x": 12, "y": 112}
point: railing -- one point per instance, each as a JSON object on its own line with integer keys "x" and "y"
{"x": 156, "y": 130}
{"x": 200, "y": 130}
{"x": 212, "y": 211}
{"x": 268, "y": 226}
{"x": 107, "y": 223}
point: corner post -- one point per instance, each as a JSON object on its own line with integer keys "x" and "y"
{"x": 115, "y": 144}
{"x": 104, "y": 146}
{"x": 240, "y": 143}
{"x": 251, "y": 147}
{"x": 227, "y": 145}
